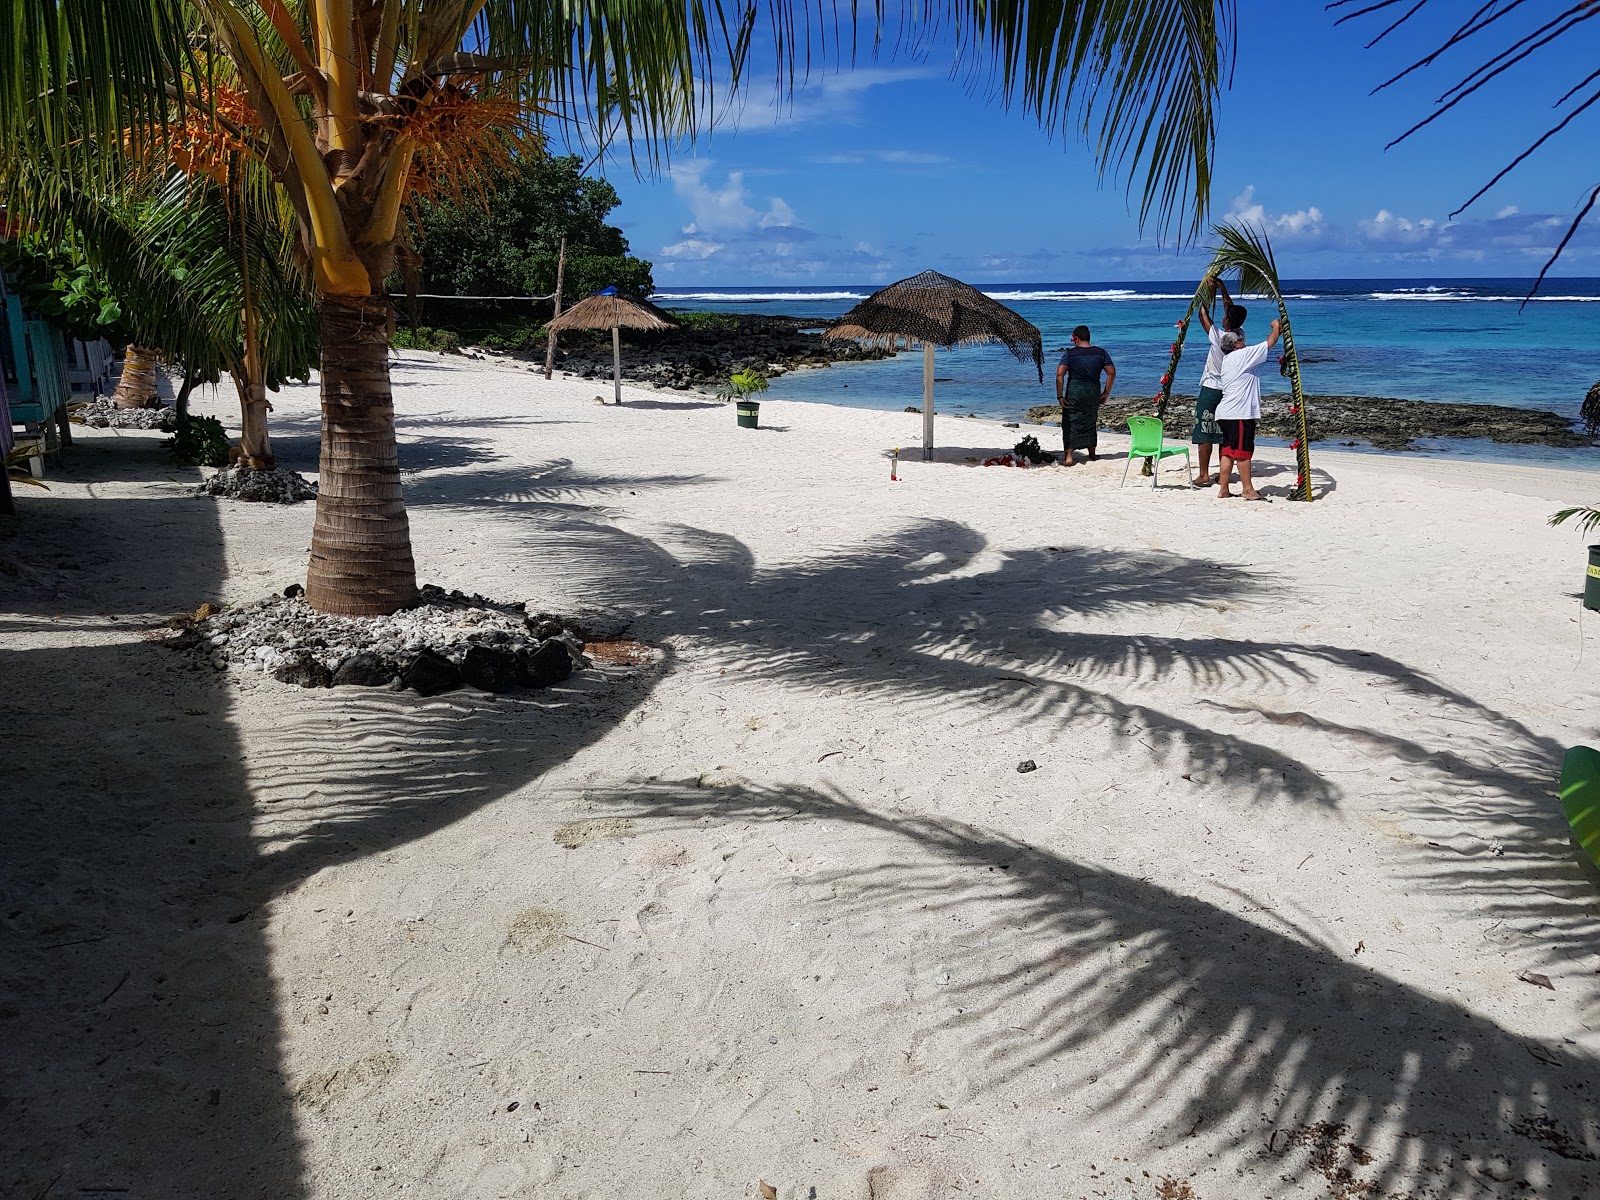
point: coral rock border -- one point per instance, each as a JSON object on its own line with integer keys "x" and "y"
{"x": 445, "y": 641}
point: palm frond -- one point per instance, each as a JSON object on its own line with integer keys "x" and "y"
{"x": 1137, "y": 80}
{"x": 1490, "y": 25}
{"x": 1588, "y": 519}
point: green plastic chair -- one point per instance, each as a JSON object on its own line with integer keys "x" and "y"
{"x": 1147, "y": 443}
{"x": 1580, "y": 797}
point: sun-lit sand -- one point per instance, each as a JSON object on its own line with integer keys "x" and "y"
{"x": 1285, "y": 906}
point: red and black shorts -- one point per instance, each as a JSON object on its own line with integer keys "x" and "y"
{"x": 1238, "y": 439}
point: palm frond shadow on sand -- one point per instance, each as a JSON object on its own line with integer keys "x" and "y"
{"x": 551, "y": 484}
{"x": 933, "y": 621}
{"x": 1163, "y": 1010}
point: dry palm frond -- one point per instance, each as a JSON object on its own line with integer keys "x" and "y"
{"x": 937, "y": 310}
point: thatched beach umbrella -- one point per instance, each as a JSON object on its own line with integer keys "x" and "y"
{"x": 935, "y": 310}
{"x": 607, "y": 310}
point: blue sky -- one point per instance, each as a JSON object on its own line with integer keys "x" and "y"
{"x": 883, "y": 169}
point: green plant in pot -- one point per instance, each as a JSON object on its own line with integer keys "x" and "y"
{"x": 740, "y": 388}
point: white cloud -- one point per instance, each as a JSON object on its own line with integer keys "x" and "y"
{"x": 695, "y": 248}
{"x": 1305, "y": 224}
{"x": 724, "y": 209}
{"x": 756, "y": 235}
{"x": 1509, "y": 210}
{"x": 895, "y": 158}
{"x": 778, "y": 215}
{"x": 1388, "y": 229}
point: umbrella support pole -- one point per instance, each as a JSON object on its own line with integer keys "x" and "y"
{"x": 927, "y": 401}
{"x": 616, "y": 361}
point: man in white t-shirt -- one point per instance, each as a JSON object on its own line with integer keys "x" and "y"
{"x": 1206, "y": 434}
{"x": 1240, "y": 408}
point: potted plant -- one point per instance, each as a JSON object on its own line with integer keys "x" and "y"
{"x": 741, "y": 386}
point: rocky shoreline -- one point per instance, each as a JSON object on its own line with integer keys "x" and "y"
{"x": 1389, "y": 424}
{"x": 703, "y": 358}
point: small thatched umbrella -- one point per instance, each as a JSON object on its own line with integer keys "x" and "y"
{"x": 607, "y": 310}
{"x": 935, "y": 310}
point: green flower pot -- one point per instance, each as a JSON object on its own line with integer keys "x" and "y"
{"x": 749, "y": 413}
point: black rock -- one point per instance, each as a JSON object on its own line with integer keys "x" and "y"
{"x": 545, "y": 630}
{"x": 363, "y": 670}
{"x": 431, "y": 673}
{"x": 1026, "y": 765}
{"x": 550, "y": 663}
{"x": 293, "y": 590}
{"x": 303, "y": 670}
{"x": 489, "y": 669}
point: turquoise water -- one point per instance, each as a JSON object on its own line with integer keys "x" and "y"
{"x": 1465, "y": 340}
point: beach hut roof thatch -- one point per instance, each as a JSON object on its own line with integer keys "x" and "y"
{"x": 937, "y": 310}
{"x": 607, "y": 310}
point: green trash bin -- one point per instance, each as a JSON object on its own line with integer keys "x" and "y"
{"x": 749, "y": 413}
{"x": 1591, "y": 591}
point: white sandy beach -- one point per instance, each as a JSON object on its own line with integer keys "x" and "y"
{"x": 778, "y": 906}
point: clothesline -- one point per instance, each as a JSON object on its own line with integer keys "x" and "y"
{"x": 433, "y": 296}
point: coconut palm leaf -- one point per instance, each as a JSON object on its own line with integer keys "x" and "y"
{"x": 1588, "y": 519}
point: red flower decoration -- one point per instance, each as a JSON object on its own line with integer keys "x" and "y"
{"x": 1166, "y": 380}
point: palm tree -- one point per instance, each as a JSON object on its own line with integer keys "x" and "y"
{"x": 202, "y": 276}
{"x": 357, "y": 105}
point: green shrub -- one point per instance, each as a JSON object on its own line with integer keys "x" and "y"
{"x": 199, "y": 442}
{"x": 512, "y": 335}
{"x": 705, "y": 322}
{"x": 440, "y": 341}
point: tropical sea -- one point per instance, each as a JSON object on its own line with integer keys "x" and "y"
{"x": 1461, "y": 340}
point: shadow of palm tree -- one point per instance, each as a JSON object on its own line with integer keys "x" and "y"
{"x": 1163, "y": 1011}
{"x": 555, "y": 483}
{"x": 930, "y": 620}
{"x": 139, "y": 862}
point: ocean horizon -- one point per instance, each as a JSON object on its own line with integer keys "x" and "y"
{"x": 1462, "y": 340}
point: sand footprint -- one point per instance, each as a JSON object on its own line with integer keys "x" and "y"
{"x": 534, "y": 931}
{"x": 580, "y": 833}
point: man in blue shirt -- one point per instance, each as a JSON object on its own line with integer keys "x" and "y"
{"x": 1080, "y": 395}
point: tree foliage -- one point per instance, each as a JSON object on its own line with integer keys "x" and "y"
{"x": 168, "y": 266}
{"x": 506, "y": 243}
{"x": 58, "y": 283}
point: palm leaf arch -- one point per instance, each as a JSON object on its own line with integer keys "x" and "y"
{"x": 1247, "y": 253}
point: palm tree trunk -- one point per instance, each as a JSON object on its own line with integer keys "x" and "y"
{"x": 255, "y": 447}
{"x": 1297, "y": 408}
{"x": 361, "y": 561}
{"x": 137, "y": 385}
{"x": 180, "y": 402}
